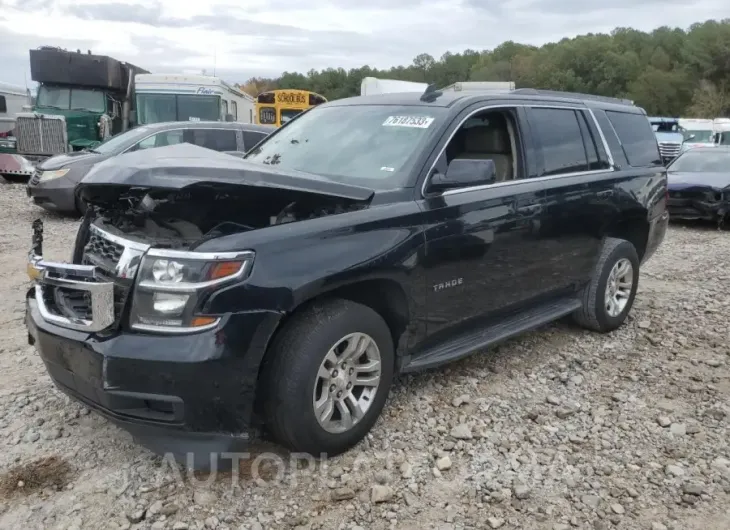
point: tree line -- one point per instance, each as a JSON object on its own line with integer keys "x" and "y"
{"x": 669, "y": 72}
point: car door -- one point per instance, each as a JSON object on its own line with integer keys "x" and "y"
{"x": 480, "y": 257}
{"x": 579, "y": 196}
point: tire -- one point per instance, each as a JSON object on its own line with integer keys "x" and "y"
{"x": 291, "y": 376}
{"x": 595, "y": 314}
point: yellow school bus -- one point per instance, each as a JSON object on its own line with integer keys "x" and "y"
{"x": 276, "y": 107}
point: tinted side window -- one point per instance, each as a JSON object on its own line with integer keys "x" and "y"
{"x": 251, "y": 138}
{"x": 234, "y": 110}
{"x": 216, "y": 139}
{"x": 160, "y": 139}
{"x": 3, "y": 104}
{"x": 637, "y": 138}
{"x": 559, "y": 133}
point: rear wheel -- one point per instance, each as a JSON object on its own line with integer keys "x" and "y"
{"x": 327, "y": 377}
{"x": 608, "y": 299}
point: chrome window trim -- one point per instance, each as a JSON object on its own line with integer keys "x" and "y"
{"x": 603, "y": 138}
{"x": 522, "y": 181}
{"x": 513, "y": 182}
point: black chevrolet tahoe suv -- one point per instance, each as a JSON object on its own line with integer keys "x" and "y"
{"x": 213, "y": 298}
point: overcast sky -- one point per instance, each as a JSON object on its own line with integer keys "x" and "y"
{"x": 245, "y": 38}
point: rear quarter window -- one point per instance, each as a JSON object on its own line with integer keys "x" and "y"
{"x": 637, "y": 138}
{"x": 251, "y": 138}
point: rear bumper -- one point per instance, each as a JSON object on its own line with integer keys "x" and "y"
{"x": 188, "y": 396}
{"x": 657, "y": 232}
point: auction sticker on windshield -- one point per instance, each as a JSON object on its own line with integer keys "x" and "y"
{"x": 419, "y": 122}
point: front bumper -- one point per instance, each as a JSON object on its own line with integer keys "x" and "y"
{"x": 698, "y": 209}
{"x": 55, "y": 195}
{"x": 188, "y": 396}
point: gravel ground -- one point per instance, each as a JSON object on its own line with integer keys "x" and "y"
{"x": 559, "y": 429}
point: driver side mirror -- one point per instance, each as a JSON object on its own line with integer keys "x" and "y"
{"x": 463, "y": 173}
{"x": 229, "y": 117}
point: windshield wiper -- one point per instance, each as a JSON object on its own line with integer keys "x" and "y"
{"x": 52, "y": 107}
{"x": 90, "y": 150}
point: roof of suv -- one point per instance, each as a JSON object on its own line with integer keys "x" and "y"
{"x": 451, "y": 98}
{"x": 210, "y": 125}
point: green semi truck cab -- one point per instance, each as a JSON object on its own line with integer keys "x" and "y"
{"x": 82, "y": 99}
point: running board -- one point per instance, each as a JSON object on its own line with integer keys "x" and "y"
{"x": 515, "y": 325}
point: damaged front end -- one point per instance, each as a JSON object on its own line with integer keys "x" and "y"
{"x": 125, "y": 328}
{"x": 135, "y": 264}
{"x": 698, "y": 202}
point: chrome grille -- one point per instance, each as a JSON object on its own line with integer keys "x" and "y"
{"x": 103, "y": 252}
{"x": 39, "y": 134}
{"x": 669, "y": 150}
{"x": 116, "y": 261}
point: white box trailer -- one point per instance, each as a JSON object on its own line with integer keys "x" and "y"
{"x": 373, "y": 85}
{"x": 12, "y": 100}
{"x": 180, "y": 97}
{"x": 482, "y": 86}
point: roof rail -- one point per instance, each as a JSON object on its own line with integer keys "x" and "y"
{"x": 573, "y": 95}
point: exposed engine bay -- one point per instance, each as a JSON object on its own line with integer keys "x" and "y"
{"x": 183, "y": 219}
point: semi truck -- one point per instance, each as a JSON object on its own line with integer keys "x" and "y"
{"x": 81, "y": 100}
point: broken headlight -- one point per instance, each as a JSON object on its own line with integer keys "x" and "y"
{"x": 170, "y": 284}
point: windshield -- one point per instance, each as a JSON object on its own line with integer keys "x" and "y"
{"x": 666, "y": 127}
{"x": 71, "y": 99}
{"x": 158, "y": 108}
{"x": 368, "y": 145}
{"x": 700, "y": 136}
{"x": 118, "y": 143}
{"x": 710, "y": 161}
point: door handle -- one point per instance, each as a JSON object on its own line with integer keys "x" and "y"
{"x": 605, "y": 193}
{"x": 530, "y": 209}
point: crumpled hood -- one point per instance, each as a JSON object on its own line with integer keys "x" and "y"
{"x": 68, "y": 159}
{"x": 179, "y": 166}
{"x": 682, "y": 180}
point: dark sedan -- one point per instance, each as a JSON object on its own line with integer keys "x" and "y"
{"x": 54, "y": 181}
{"x": 699, "y": 184}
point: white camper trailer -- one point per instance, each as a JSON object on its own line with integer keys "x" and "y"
{"x": 373, "y": 85}
{"x": 721, "y": 127}
{"x": 177, "y": 97}
{"x": 12, "y": 100}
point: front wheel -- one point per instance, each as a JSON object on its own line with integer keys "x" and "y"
{"x": 327, "y": 377}
{"x": 609, "y": 296}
